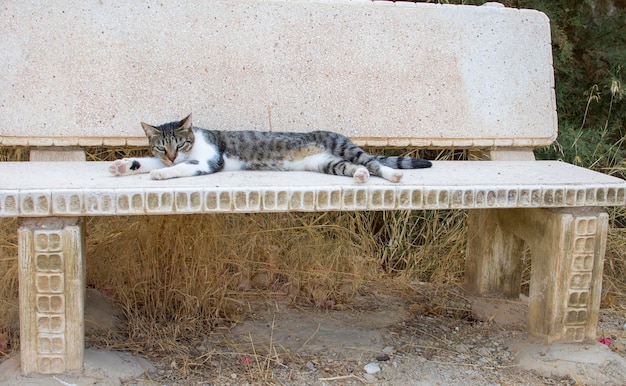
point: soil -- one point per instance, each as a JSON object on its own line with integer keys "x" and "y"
{"x": 437, "y": 336}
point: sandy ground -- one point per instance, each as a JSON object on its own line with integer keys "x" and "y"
{"x": 379, "y": 338}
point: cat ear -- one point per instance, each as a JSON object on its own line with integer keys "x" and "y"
{"x": 149, "y": 130}
{"x": 185, "y": 124}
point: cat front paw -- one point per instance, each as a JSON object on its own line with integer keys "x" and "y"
{"x": 159, "y": 174}
{"x": 123, "y": 166}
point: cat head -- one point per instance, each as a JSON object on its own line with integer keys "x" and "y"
{"x": 168, "y": 140}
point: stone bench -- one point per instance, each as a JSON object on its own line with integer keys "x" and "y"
{"x": 385, "y": 74}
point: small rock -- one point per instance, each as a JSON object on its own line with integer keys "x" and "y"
{"x": 389, "y": 350}
{"x": 310, "y": 366}
{"x": 382, "y": 358}
{"x": 233, "y": 376}
{"x": 371, "y": 368}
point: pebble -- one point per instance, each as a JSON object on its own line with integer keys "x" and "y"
{"x": 389, "y": 350}
{"x": 371, "y": 368}
{"x": 382, "y": 358}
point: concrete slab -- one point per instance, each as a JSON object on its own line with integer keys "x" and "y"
{"x": 587, "y": 364}
{"x": 101, "y": 368}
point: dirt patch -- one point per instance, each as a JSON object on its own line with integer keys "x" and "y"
{"x": 435, "y": 335}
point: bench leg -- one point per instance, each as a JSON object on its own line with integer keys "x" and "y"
{"x": 51, "y": 294}
{"x": 567, "y": 248}
{"x": 494, "y": 261}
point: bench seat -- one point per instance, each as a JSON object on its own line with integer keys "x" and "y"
{"x": 47, "y": 189}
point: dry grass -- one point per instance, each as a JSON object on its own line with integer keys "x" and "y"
{"x": 14, "y": 154}
{"x": 614, "y": 278}
{"x": 185, "y": 273}
{"x": 8, "y": 285}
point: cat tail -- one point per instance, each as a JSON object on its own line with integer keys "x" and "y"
{"x": 404, "y": 162}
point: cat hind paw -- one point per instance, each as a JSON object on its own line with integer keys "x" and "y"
{"x": 396, "y": 176}
{"x": 361, "y": 175}
{"x": 393, "y": 175}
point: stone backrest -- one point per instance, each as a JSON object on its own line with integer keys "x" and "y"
{"x": 382, "y": 73}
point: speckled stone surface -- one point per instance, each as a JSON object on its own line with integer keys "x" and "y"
{"x": 423, "y": 74}
{"x": 50, "y": 189}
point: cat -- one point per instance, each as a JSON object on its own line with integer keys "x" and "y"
{"x": 181, "y": 150}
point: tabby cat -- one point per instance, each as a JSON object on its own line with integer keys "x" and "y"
{"x": 181, "y": 150}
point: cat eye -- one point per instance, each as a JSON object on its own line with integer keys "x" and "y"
{"x": 160, "y": 148}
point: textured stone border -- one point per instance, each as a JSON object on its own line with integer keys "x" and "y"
{"x": 41, "y": 203}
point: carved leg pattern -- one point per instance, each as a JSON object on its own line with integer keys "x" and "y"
{"x": 574, "y": 277}
{"x": 567, "y": 247}
{"x": 52, "y": 292}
